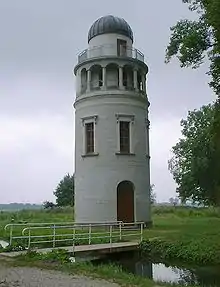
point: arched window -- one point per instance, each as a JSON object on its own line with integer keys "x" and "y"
{"x": 83, "y": 80}
{"x": 139, "y": 81}
{"x": 96, "y": 77}
{"x": 112, "y": 75}
{"x": 128, "y": 77}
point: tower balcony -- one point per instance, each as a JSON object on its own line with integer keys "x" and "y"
{"x": 110, "y": 51}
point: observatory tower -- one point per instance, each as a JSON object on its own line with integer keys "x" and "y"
{"x": 112, "y": 175}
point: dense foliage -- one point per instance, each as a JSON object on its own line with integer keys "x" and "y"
{"x": 65, "y": 191}
{"x": 49, "y": 205}
{"x": 193, "y": 166}
{"x": 196, "y": 162}
{"x": 193, "y": 41}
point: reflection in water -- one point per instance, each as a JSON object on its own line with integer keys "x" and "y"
{"x": 144, "y": 269}
{"x": 131, "y": 262}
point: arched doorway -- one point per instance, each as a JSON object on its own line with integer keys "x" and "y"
{"x": 125, "y": 201}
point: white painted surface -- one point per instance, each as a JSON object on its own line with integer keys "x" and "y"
{"x": 106, "y": 44}
{"x": 96, "y": 178}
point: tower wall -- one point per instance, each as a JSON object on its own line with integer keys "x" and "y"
{"x": 97, "y": 177}
{"x": 112, "y": 173}
{"x": 106, "y": 44}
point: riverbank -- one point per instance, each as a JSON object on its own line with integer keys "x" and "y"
{"x": 188, "y": 235}
{"x": 59, "y": 261}
{"x": 34, "y": 277}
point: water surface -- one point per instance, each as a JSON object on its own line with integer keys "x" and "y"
{"x": 191, "y": 275}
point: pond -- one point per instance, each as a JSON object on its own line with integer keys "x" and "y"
{"x": 192, "y": 275}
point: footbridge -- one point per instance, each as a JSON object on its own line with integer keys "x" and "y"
{"x": 74, "y": 237}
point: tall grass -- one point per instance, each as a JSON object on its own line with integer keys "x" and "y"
{"x": 39, "y": 216}
{"x": 185, "y": 233}
{"x": 186, "y": 211}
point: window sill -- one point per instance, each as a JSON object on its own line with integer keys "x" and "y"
{"x": 90, "y": 154}
{"x": 125, "y": 153}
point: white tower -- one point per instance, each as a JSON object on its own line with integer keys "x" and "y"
{"x": 112, "y": 175}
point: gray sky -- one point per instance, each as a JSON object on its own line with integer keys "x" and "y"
{"x": 39, "y": 44}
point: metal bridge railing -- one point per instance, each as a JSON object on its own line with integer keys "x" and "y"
{"x": 54, "y": 234}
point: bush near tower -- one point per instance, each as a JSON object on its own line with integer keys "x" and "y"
{"x": 64, "y": 191}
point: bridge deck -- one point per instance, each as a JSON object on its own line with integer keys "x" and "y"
{"x": 103, "y": 248}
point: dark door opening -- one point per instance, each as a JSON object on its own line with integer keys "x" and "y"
{"x": 125, "y": 201}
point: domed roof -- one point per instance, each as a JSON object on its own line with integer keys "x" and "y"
{"x": 110, "y": 24}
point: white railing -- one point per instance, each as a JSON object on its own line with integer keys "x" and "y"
{"x": 56, "y": 234}
{"x": 110, "y": 50}
{"x": 13, "y": 226}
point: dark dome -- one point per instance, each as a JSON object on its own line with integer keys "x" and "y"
{"x": 110, "y": 24}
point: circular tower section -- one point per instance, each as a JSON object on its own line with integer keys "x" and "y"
{"x": 112, "y": 174}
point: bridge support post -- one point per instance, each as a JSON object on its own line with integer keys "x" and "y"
{"x": 120, "y": 235}
{"x": 141, "y": 231}
{"x": 90, "y": 233}
{"x": 29, "y": 239}
{"x": 110, "y": 234}
{"x": 54, "y": 236}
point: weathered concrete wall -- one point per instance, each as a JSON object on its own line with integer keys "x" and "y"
{"x": 97, "y": 177}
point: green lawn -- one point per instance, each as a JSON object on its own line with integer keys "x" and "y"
{"x": 187, "y": 234}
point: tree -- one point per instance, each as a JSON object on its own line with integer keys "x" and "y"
{"x": 194, "y": 166}
{"x": 152, "y": 194}
{"x": 48, "y": 205}
{"x": 174, "y": 201}
{"x": 65, "y": 191}
{"x": 194, "y": 41}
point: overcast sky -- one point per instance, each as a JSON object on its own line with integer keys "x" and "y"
{"x": 39, "y": 43}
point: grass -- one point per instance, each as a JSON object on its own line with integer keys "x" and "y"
{"x": 187, "y": 234}
{"x": 39, "y": 216}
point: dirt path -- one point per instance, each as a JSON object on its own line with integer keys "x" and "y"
{"x": 35, "y": 277}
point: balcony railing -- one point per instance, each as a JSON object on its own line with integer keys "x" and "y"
{"x": 110, "y": 50}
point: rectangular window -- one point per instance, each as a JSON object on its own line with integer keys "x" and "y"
{"x": 89, "y": 131}
{"x": 124, "y": 130}
{"x": 121, "y": 47}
